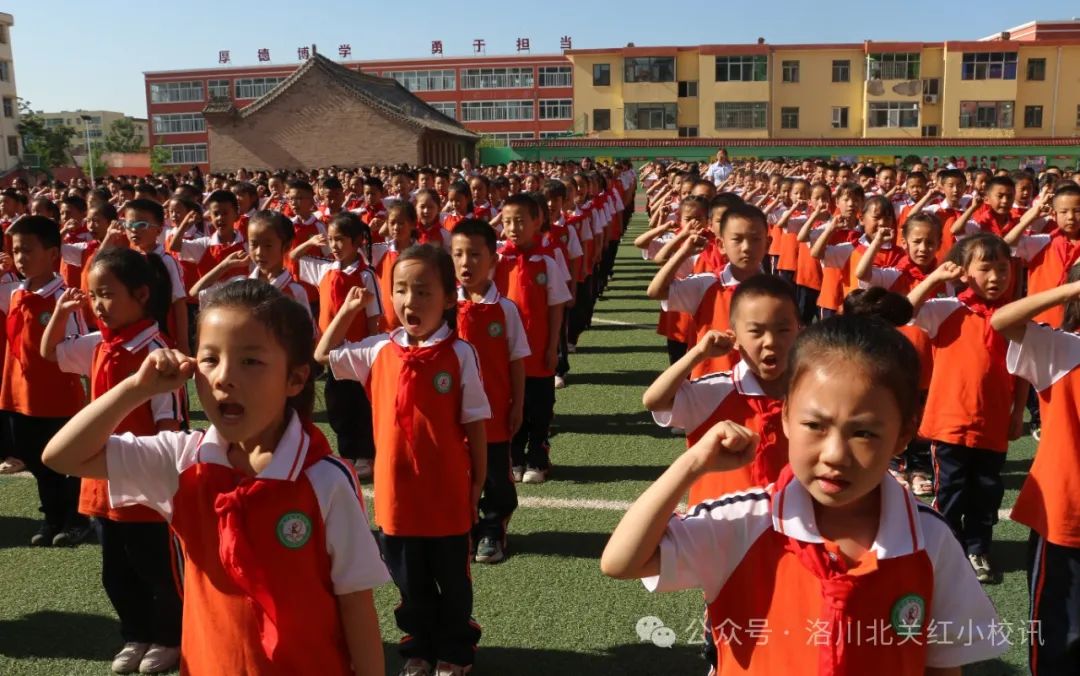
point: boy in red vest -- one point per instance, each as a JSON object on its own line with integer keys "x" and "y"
{"x": 37, "y": 398}
{"x": 492, "y": 325}
{"x": 208, "y": 252}
{"x": 528, "y": 275}
{"x": 995, "y": 214}
{"x": 707, "y": 296}
{"x": 1050, "y": 256}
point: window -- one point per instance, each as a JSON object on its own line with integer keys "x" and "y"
{"x": 1036, "y": 69}
{"x": 179, "y": 123}
{"x": 1078, "y": 116}
{"x": 931, "y": 86}
{"x": 555, "y": 76}
{"x": 790, "y": 70}
{"x": 601, "y": 74}
{"x": 556, "y": 134}
{"x": 986, "y": 114}
{"x": 748, "y": 115}
{"x": 687, "y": 89}
{"x": 5, "y": 71}
{"x": 657, "y": 116}
{"x": 254, "y": 87}
{"x": 507, "y": 136}
{"x": 218, "y": 89}
{"x": 496, "y": 78}
{"x": 488, "y": 111}
{"x": 840, "y": 117}
{"x": 988, "y": 66}
{"x": 176, "y": 92}
{"x": 893, "y": 114}
{"x": 1033, "y": 117}
{"x": 3, "y": 35}
{"x": 841, "y": 70}
{"x": 688, "y": 132}
{"x": 601, "y": 119}
{"x": 931, "y": 130}
{"x": 649, "y": 69}
{"x": 556, "y": 109}
{"x": 186, "y": 153}
{"x": 13, "y": 146}
{"x": 9, "y": 107}
{"x": 424, "y": 80}
{"x": 54, "y": 122}
{"x": 94, "y": 133}
{"x": 447, "y": 109}
{"x": 742, "y": 68}
{"x": 893, "y": 66}
{"x": 789, "y": 118}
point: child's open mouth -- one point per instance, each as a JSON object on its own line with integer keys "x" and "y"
{"x": 412, "y": 320}
{"x": 230, "y": 410}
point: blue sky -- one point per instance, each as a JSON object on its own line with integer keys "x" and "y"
{"x": 92, "y": 55}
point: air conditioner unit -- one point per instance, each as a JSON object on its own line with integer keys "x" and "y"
{"x": 930, "y": 98}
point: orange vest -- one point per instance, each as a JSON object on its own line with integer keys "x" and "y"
{"x": 483, "y": 325}
{"x": 714, "y": 313}
{"x": 524, "y": 281}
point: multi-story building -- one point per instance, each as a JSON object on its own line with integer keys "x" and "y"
{"x": 94, "y": 124}
{"x": 1024, "y": 82}
{"x": 10, "y": 147}
{"x": 505, "y": 98}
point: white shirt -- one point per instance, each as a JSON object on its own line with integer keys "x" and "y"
{"x": 685, "y": 295}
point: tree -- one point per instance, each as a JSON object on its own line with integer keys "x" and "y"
{"x": 123, "y": 137}
{"x": 51, "y": 145}
{"x": 159, "y": 159}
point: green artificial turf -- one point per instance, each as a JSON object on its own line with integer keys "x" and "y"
{"x": 546, "y": 609}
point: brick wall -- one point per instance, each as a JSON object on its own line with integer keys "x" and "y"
{"x": 314, "y": 123}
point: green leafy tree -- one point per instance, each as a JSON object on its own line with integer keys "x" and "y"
{"x": 51, "y": 145}
{"x": 159, "y": 159}
{"x": 123, "y": 137}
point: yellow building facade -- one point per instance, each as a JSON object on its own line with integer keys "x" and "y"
{"x": 999, "y": 87}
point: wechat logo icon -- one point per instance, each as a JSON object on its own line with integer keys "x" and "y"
{"x": 651, "y": 628}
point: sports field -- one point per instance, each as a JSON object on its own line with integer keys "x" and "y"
{"x": 546, "y": 609}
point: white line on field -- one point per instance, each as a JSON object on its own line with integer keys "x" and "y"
{"x": 538, "y": 502}
{"x": 615, "y": 322}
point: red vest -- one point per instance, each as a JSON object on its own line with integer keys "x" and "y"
{"x": 333, "y": 288}
{"x": 524, "y": 281}
{"x": 258, "y": 596}
{"x": 714, "y": 313}
{"x": 484, "y": 326}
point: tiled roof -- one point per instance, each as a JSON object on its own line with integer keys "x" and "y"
{"x": 798, "y": 143}
{"x": 385, "y": 95}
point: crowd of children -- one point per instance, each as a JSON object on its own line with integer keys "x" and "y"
{"x": 842, "y": 341}
{"x": 959, "y": 262}
{"x": 445, "y": 307}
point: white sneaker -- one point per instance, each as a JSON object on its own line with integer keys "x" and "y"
{"x": 571, "y": 348}
{"x": 12, "y": 466}
{"x": 560, "y": 383}
{"x": 981, "y": 566}
{"x": 518, "y": 472}
{"x": 159, "y": 658}
{"x": 447, "y": 669}
{"x": 534, "y": 476}
{"x": 416, "y": 667}
{"x": 364, "y": 469}
{"x": 128, "y": 659}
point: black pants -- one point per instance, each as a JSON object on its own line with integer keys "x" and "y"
{"x": 580, "y": 313}
{"x": 826, "y": 313}
{"x": 563, "y": 367}
{"x": 969, "y": 492}
{"x": 676, "y": 350}
{"x": 915, "y": 458}
{"x": 58, "y": 493}
{"x": 1033, "y": 408}
{"x": 137, "y": 573}
{"x": 499, "y": 499}
{"x": 529, "y": 447}
{"x": 807, "y": 301}
{"x": 349, "y": 413}
{"x": 432, "y": 574}
{"x": 1053, "y": 574}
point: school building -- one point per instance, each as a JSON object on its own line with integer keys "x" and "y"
{"x": 503, "y": 98}
{"x": 10, "y": 147}
{"x": 1022, "y": 83}
{"x": 92, "y": 124}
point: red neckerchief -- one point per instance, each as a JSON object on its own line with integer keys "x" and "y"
{"x": 521, "y": 262}
{"x": 430, "y": 235}
{"x": 343, "y": 281}
{"x": 711, "y": 258}
{"x": 108, "y": 373}
{"x": 994, "y": 341}
{"x": 17, "y": 319}
{"x": 471, "y": 317}
{"x": 244, "y": 566}
{"x": 413, "y": 359}
{"x": 908, "y": 267}
{"x": 482, "y": 211}
{"x": 837, "y": 586}
{"x": 1067, "y": 251}
{"x": 771, "y": 455}
{"x": 988, "y": 221}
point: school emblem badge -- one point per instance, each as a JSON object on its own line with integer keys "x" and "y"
{"x": 495, "y": 329}
{"x": 908, "y": 614}
{"x": 44, "y": 318}
{"x": 541, "y": 278}
{"x": 294, "y": 530}
{"x": 443, "y": 382}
